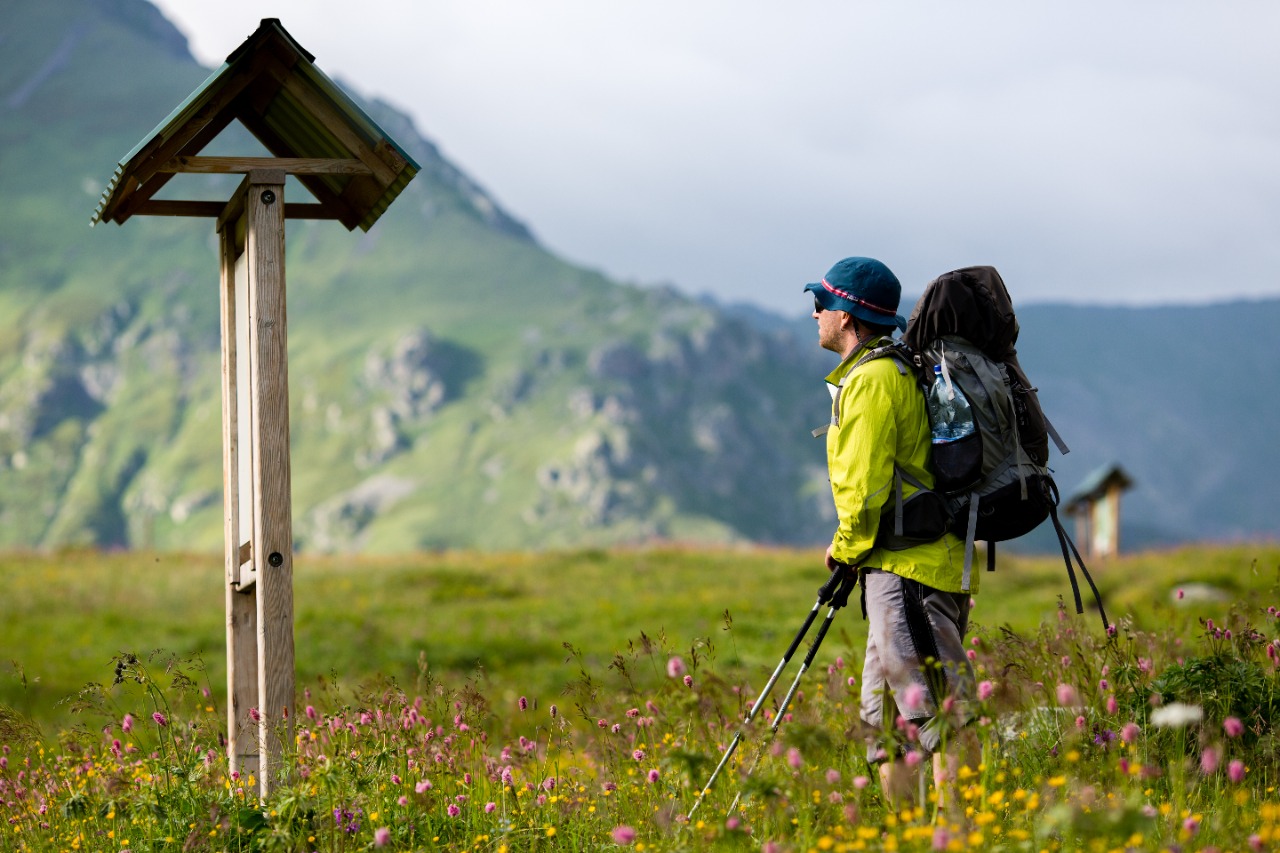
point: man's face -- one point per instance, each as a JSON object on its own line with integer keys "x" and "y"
{"x": 830, "y": 328}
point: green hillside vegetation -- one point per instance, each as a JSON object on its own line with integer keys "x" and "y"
{"x": 507, "y": 620}
{"x": 452, "y": 383}
{"x": 455, "y": 385}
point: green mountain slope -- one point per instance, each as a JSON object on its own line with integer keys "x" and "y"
{"x": 453, "y": 384}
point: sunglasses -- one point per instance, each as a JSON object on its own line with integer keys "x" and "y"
{"x": 817, "y": 306}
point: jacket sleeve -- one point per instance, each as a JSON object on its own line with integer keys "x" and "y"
{"x": 860, "y": 454}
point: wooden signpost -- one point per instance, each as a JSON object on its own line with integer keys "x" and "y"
{"x": 271, "y": 86}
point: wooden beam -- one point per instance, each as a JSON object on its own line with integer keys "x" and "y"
{"x": 216, "y": 209}
{"x": 244, "y": 165}
{"x": 241, "y": 609}
{"x": 272, "y": 511}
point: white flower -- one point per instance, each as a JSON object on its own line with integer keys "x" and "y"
{"x": 1175, "y": 715}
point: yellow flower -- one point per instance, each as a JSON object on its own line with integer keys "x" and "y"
{"x": 551, "y": 831}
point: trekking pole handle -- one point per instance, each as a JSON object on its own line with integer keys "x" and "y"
{"x": 839, "y": 586}
{"x": 828, "y": 590}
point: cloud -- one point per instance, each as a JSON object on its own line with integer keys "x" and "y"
{"x": 1099, "y": 152}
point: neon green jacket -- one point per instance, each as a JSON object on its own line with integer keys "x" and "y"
{"x": 878, "y": 418}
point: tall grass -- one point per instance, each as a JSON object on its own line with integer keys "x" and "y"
{"x": 1160, "y": 737}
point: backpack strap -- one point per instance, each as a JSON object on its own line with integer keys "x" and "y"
{"x": 900, "y": 474}
{"x": 1057, "y": 439}
{"x": 970, "y": 530}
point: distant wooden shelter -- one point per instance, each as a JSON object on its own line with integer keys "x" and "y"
{"x": 316, "y": 133}
{"x": 1095, "y": 504}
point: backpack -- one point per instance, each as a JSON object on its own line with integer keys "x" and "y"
{"x": 996, "y": 482}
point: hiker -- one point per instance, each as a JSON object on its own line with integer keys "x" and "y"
{"x": 910, "y": 568}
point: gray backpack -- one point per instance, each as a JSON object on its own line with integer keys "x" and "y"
{"x": 996, "y": 481}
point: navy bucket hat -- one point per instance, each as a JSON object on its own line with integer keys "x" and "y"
{"x": 863, "y": 287}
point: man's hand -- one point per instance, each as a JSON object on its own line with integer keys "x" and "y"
{"x": 832, "y": 562}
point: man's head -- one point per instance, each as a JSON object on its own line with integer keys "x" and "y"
{"x": 863, "y": 287}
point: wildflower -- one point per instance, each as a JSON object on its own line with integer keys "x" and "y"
{"x": 1190, "y": 825}
{"x": 1233, "y": 727}
{"x": 255, "y": 715}
{"x": 507, "y": 777}
{"x": 423, "y": 786}
{"x": 653, "y": 775}
{"x": 381, "y": 836}
{"x": 1176, "y": 715}
{"x": 490, "y": 808}
{"x": 638, "y": 755}
{"x": 1080, "y": 723}
{"x": 913, "y": 697}
{"x": 615, "y": 728}
{"x": 1255, "y": 842}
{"x": 940, "y": 838}
{"x": 609, "y": 786}
{"x": 602, "y": 723}
{"x": 861, "y": 782}
{"x": 311, "y": 712}
{"x": 971, "y": 654}
{"x": 985, "y": 689}
{"x": 554, "y": 711}
{"x": 1235, "y": 771}
{"x": 1181, "y": 594}
{"x": 632, "y": 713}
{"x": 1067, "y": 696}
{"x": 912, "y": 758}
{"x": 453, "y": 810}
{"x": 1209, "y": 761}
{"x": 127, "y": 723}
{"x": 794, "y": 758}
{"x": 688, "y": 681}
{"x": 852, "y": 682}
{"x": 833, "y": 776}
{"x": 523, "y": 703}
{"x": 623, "y": 834}
{"x": 160, "y": 719}
{"x": 549, "y": 783}
{"x": 1112, "y": 705}
{"x": 402, "y": 801}
{"x": 675, "y": 668}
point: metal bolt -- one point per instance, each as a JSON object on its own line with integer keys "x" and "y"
{"x": 275, "y": 559}
{"x": 268, "y": 197}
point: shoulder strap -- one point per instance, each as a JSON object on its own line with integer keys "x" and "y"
{"x": 896, "y": 350}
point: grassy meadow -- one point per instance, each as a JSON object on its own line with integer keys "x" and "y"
{"x": 579, "y": 700}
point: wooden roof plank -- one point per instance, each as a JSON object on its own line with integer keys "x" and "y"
{"x": 244, "y": 165}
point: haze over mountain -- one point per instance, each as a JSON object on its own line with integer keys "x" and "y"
{"x": 456, "y": 385}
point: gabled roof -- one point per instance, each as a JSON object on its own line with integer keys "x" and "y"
{"x": 311, "y": 127}
{"x": 1096, "y": 484}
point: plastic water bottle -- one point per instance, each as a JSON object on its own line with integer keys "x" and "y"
{"x": 950, "y": 415}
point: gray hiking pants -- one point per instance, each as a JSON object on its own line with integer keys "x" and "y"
{"x": 915, "y": 659}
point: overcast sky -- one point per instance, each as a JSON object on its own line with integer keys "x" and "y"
{"x": 1117, "y": 153}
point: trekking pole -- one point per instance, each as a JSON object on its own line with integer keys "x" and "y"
{"x": 841, "y": 580}
{"x": 838, "y": 599}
